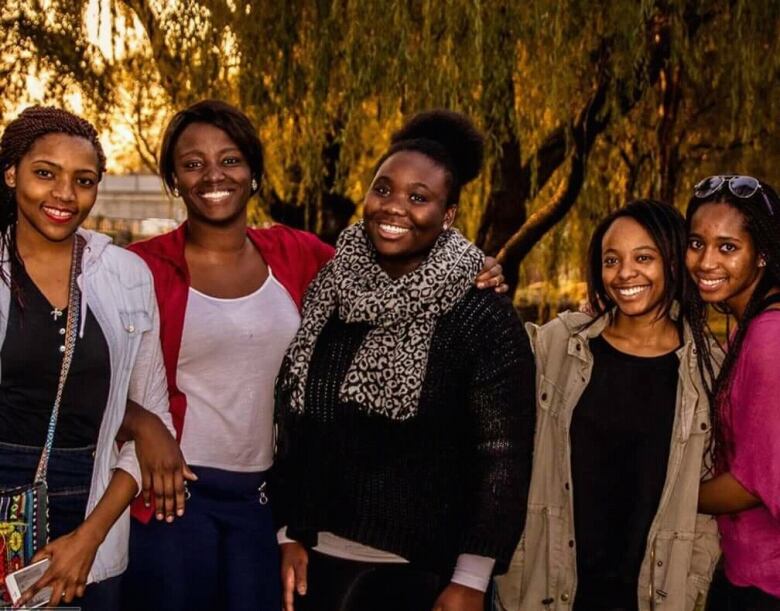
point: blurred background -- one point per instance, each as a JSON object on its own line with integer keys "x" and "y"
{"x": 586, "y": 104}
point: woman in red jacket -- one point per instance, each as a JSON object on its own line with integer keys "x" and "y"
{"x": 229, "y": 300}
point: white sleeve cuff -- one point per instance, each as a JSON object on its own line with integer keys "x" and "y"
{"x": 473, "y": 571}
{"x": 128, "y": 461}
{"x": 281, "y": 536}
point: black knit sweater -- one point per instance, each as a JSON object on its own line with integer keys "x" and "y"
{"x": 452, "y": 479}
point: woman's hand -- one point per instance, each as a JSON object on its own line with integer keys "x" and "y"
{"x": 163, "y": 469}
{"x": 71, "y": 557}
{"x": 295, "y": 559}
{"x": 492, "y": 275}
{"x": 456, "y": 597}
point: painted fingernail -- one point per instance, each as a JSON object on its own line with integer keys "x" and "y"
{"x": 480, "y": 285}
{"x": 169, "y": 519}
{"x": 160, "y": 516}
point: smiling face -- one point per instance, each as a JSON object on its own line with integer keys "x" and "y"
{"x": 405, "y": 210}
{"x": 211, "y": 174}
{"x": 632, "y": 269}
{"x": 56, "y": 186}
{"x": 722, "y": 257}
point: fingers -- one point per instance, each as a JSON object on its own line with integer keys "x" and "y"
{"x": 40, "y": 555}
{"x": 301, "y": 574}
{"x": 57, "y": 590}
{"x": 294, "y": 573}
{"x": 68, "y": 593}
{"x": 169, "y": 489}
{"x": 178, "y": 483}
{"x": 495, "y": 268}
{"x": 146, "y": 486}
{"x": 288, "y": 587}
{"x": 189, "y": 474}
{"x": 44, "y": 580}
{"x": 158, "y": 485}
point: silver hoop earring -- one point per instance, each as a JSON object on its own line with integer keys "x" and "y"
{"x": 254, "y": 185}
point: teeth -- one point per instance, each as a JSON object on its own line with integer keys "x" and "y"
{"x": 393, "y": 228}
{"x": 711, "y": 283}
{"x": 62, "y": 214}
{"x": 630, "y": 292}
{"x": 215, "y": 195}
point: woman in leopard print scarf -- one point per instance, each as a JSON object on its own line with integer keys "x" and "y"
{"x": 388, "y": 370}
{"x": 404, "y": 403}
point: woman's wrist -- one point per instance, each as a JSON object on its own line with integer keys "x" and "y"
{"x": 92, "y": 532}
{"x": 132, "y": 423}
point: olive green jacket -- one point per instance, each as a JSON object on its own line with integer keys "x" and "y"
{"x": 682, "y": 546}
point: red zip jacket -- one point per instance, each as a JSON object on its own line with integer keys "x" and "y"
{"x": 294, "y": 256}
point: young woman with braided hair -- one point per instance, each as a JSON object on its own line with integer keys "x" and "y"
{"x": 734, "y": 257}
{"x": 67, "y": 295}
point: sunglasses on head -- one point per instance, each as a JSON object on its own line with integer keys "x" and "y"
{"x": 743, "y": 187}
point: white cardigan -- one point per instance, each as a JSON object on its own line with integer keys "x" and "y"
{"x": 118, "y": 287}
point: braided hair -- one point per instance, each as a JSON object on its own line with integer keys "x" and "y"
{"x": 761, "y": 214}
{"x": 447, "y": 137}
{"x": 18, "y": 138}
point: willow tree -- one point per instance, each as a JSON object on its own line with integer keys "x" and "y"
{"x": 583, "y": 103}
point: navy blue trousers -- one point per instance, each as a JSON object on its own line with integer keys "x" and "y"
{"x": 222, "y": 554}
{"x": 68, "y": 481}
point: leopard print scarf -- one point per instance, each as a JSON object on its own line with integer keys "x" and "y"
{"x": 387, "y": 372}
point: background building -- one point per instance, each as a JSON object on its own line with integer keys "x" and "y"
{"x": 134, "y": 206}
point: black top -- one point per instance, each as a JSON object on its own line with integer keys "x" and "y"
{"x": 451, "y": 479}
{"x": 31, "y": 359}
{"x": 621, "y": 431}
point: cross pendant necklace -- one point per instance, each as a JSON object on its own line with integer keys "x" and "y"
{"x": 56, "y": 313}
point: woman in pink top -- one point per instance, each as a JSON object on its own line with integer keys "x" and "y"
{"x": 734, "y": 257}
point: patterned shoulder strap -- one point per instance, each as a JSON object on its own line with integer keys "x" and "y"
{"x": 71, "y": 331}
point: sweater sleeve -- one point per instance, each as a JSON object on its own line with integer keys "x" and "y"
{"x": 501, "y": 421}
{"x": 755, "y": 413}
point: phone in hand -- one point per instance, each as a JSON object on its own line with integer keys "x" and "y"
{"x": 19, "y": 581}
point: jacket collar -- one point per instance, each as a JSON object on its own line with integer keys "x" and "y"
{"x": 581, "y": 333}
{"x": 96, "y": 243}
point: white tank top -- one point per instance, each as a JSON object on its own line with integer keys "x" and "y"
{"x": 231, "y": 351}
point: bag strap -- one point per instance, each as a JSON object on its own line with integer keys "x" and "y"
{"x": 71, "y": 331}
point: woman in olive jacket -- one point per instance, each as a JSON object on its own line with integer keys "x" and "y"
{"x": 622, "y": 430}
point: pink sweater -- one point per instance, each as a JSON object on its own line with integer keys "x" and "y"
{"x": 751, "y": 539}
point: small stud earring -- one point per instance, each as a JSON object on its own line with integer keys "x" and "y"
{"x": 176, "y": 191}
{"x": 254, "y": 185}
{"x": 445, "y": 226}
{"x": 762, "y": 262}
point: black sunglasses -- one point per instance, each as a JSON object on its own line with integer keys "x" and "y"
{"x": 743, "y": 187}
